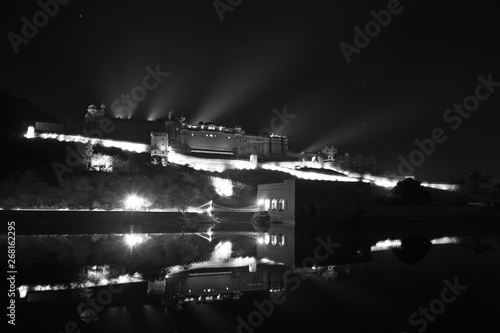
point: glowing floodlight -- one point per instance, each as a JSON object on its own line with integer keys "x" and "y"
{"x": 260, "y": 240}
{"x": 267, "y": 239}
{"x": 133, "y": 240}
{"x": 267, "y": 204}
{"x": 31, "y": 132}
{"x": 223, "y": 187}
{"x": 134, "y": 202}
{"x": 23, "y": 290}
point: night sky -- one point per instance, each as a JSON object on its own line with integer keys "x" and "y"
{"x": 276, "y": 54}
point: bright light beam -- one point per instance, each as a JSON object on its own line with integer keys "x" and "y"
{"x": 133, "y": 240}
{"x": 134, "y": 202}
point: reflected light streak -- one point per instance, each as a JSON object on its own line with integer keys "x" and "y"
{"x": 231, "y": 262}
{"x": 386, "y": 245}
{"x": 222, "y": 251}
{"x": 103, "y": 281}
{"x": 446, "y": 240}
{"x": 392, "y": 243}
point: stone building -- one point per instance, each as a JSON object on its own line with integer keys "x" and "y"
{"x": 301, "y": 211}
{"x": 212, "y": 138}
{"x": 305, "y": 201}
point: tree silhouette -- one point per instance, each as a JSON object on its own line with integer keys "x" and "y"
{"x": 412, "y": 249}
{"x": 410, "y": 191}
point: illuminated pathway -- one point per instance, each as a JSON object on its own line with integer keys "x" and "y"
{"x": 123, "y": 145}
{"x": 389, "y": 244}
{"x": 219, "y": 165}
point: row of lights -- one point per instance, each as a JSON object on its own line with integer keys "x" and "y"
{"x": 207, "y": 298}
{"x": 273, "y": 239}
{"x": 272, "y": 204}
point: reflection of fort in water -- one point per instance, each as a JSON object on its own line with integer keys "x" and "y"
{"x": 282, "y": 248}
{"x": 302, "y": 229}
{"x": 297, "y": 216}
{"x": 312, "y": 227}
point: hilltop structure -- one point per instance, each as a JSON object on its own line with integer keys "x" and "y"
{"x": 203, "y": 139}
{"x": 355, "y": 163}
{"x": 94, "y": 114}
{"x": 212, "y": 138}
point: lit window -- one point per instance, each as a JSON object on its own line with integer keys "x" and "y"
{"x": 273, "y": 239}
{"x": 281, "y": 240}
{"x": 266, "y": 239}
{"x": 274, "y": 204}
{"x": 281, "y": 204}
{"x": 266, "y": 204}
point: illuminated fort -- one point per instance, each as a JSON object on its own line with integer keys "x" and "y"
{"x": 205, "y": 139}
{"x": 173, "y": 140}
{"x": 176, "y": 135}
{"x": 212, "y": 138}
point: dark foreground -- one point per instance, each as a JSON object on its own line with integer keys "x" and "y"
{"x": 379, "y": 300}
{"x": 448, "y": 288}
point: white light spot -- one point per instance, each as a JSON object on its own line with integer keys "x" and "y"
{"x": 31, "y": 132}
{"x": 133, "y": 240}
{"x": 134, "y": 202}
{"x": 223, "y": 187}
